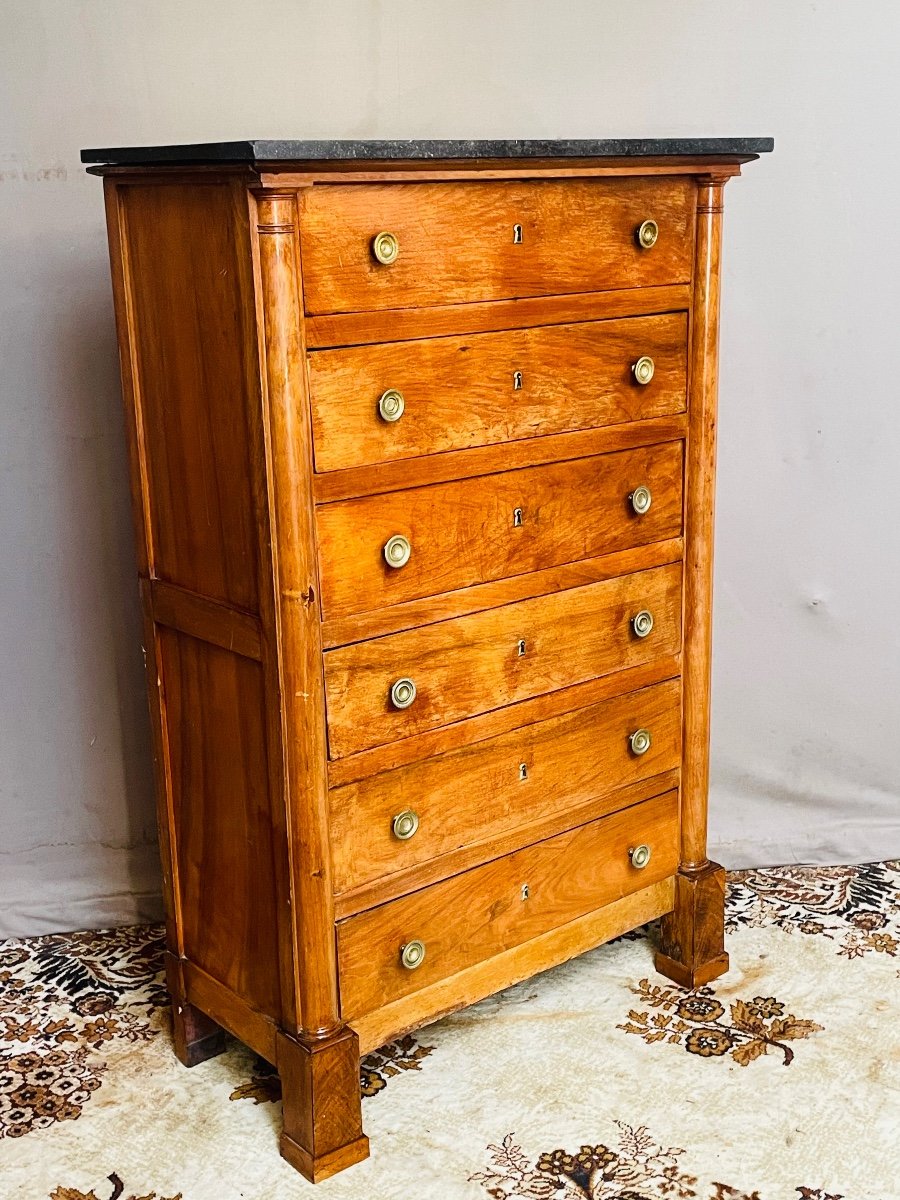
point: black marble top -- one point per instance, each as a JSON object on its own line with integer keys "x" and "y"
{"x": 254, "y": 152}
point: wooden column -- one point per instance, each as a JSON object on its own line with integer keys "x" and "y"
{"x": 318, "y": 1060}
{"x": 692, "y": 938}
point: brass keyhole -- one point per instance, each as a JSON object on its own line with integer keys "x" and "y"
{"x": 525, "y": 891}
{"x": 520, "y": 647}
{"x": 517, "y": 235}
{"x": 523, "y": 770}
{"x": 517, "y": 381}
{"x": 517, "y": 518}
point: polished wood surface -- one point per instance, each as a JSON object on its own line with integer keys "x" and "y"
{"x": 257, "y": 333}
{"x": 576, "y": 236}
{"x": 190, "y": 352}
{"x": 485, "y": 911}
{"x": 481, "y": 791}
{"x": 477, "y": 663}
{"x": 511, "y": 966}
{"x": 508, "y": 524}
{"x": 692, "y": 937}
{"x": 493, "y": 387}
{"x": 399, "y": 324}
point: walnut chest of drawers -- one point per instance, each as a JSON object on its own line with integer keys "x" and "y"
{"x": 422, "y": 445}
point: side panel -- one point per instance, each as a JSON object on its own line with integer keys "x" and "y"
{"x": 190, "y": 348}
{"x": 182, "y": 279}
{"x": 214, "y": 727}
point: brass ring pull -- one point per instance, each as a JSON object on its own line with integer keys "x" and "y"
{"x": 412, "y": 955}
{"x": 397, "y": 550}
{"x": 642, "y": 623}
{"x": 643, "y": 370}
{"x": 391, "y": 405}
{"x": 640, "y": 856}
{"x": 646, "y": 234}
{"x": 641, "y": 500}
{"x": 405, "y": 824}
{"x": 385, "y": 247}
{"x": 640, "y": 741}
{"x": 403, "y": 692}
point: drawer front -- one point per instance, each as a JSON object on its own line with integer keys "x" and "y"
{"x": 485, "y": 790}
{"x": 473, "y": 664}
{"x": 494, "y": 526}
{"x": 459, "y": 242}
{"x": 480, "y": 913}
{"x": 459, "y": 392}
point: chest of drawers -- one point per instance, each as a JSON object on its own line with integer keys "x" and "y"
{"x": 422, "y": 448}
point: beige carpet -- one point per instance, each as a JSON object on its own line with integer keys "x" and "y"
{"x": 595, "y": 1081}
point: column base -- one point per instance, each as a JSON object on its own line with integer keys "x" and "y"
{"x": 691, "y": 947}
{"x": 321, "y": 1103}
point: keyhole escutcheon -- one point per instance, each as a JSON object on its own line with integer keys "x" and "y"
{"x": 517, "y": 235}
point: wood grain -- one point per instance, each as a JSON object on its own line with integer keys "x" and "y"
{"x": 488, "y": 388}
{"x": 474, "y": 664}
{"x": 190, "y": 351}
{"x": 491, "y": 975}
{"x": 203, "y": 618}
{"x": 482, "y": 791}
{"x": 485, "y": 911}
{"x": 501, "y": 720}
{"x": 439, "y": 320}
{"x": 406, "y": 473}
{"x": 425, "y": 611}
{"x": 466, "y": 533}
{"x": 577, "y": 236}
{"x": 221, "y": 829}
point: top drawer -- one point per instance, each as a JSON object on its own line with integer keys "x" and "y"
{"x": 460, "y": 242}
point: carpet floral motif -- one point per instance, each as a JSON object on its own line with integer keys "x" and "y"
{"x": 64, "y": 999}
{"x": 634, "y": 1168}
{"x": 698, "y": 1022}
{"x": 405, "y": 1054}
{"x": 117, "y": 1193}
{"x": 848, "y": 905}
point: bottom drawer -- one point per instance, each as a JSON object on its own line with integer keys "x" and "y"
{"x": 407, "y": 944}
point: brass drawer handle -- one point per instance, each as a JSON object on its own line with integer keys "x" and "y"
{"x": 643, "y": 370}
{"x": 640, "y": 856}
{"x": 646, "y": 234}
{"x": 642, "y": 623}
{"x": 405, "y": 824}
{"x": 403, "y": 692}
{"x": 640, "y": 741}
{"x": 640, "y": 500}
{"x": 397, "y": 551}
{"x": 412, "y": 955}
{"x": 391, "y": 405}
{"x": 385, "y": 247}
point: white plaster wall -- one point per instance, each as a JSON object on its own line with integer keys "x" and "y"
{"x": 806, "y": 763}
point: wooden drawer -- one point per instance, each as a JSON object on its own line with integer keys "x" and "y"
{"x": 457, "y": 241}
{"x": 489, "y": 659}
{"x": 459, "y": 392}
{"x": 468, "y": 531}
{"x": 483, "y": 791}
{"x": 473, "y": 916}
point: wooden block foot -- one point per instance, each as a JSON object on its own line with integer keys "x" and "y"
{"x": 692, "y": 937}
{"x": 196, "y": 1036}
{"x": 322, "y": 1105}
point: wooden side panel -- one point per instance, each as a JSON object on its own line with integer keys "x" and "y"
{"x": 191, "y": 347}
{"x": 214, "y": 725}
{"x": 472, "y": 531}
{"x": 457, "y": 241}
{"x": 502, "y": 656}
{"x": 460, "y": 392}
{"x": 486, "y": 911}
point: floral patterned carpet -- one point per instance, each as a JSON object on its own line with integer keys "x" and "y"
{"x": 598, "y": 1080}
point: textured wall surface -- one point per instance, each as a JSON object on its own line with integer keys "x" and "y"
{"x": 806, "y": 764}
